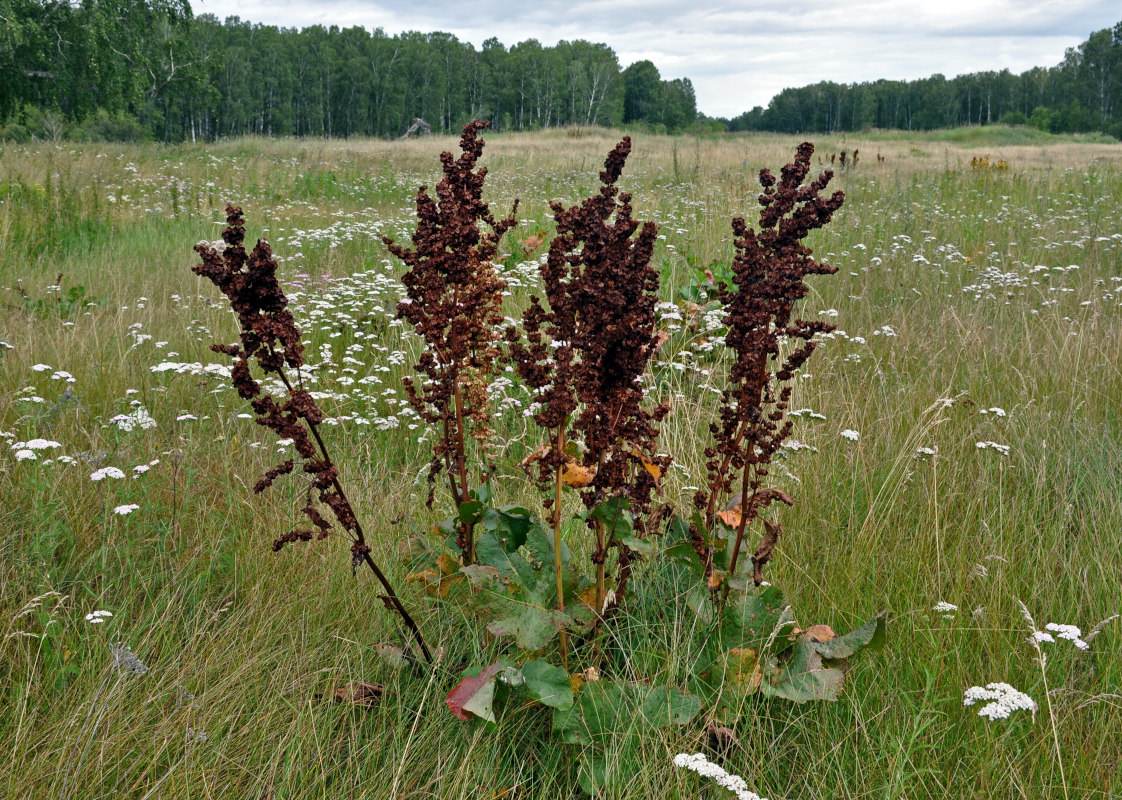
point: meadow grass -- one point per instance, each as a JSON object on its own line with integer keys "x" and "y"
{"x": 973, "y": 306}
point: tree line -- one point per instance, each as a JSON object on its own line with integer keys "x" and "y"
{"x": 151, "y": 67}
{"x": 1083, "y": 93}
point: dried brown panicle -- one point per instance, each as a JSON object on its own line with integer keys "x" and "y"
{"x": 455, "y": 303}
{"x": 769, "y": 269}
{"x": 586, "y": 355}
{"x": 269, "y": 335}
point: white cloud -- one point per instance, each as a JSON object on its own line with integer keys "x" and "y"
{"x": 739, "y": 53}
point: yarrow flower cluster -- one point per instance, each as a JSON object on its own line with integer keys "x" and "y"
{"x": 947, "y": 610}
{"x": 1004, "y": 700}
{"x": 140, "y": 418}
{"x": 106, "y": 472}
{"x": 1069, "y": 632}
{"x": 126, "y": 509}
{"x": 706, "y": 769}
{"x": 1003, "y": 449}
{"x": 98, "y": 617}
{"x": 850, "y": 434}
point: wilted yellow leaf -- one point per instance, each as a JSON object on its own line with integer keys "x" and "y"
{"x": 650, "y": 466}
{"x": 576, "y": 475}
{"x": 730, "y": 516}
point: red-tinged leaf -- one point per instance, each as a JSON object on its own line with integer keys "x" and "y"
{"x": 462, "y": 694}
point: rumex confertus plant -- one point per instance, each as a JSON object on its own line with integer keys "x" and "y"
{"x": 269, "y": 337}
{"x": 583, "y": 351}
{"x": 769, "y": 271}
{"x": 454, "y": 301}
{"x": 585, "y": 357}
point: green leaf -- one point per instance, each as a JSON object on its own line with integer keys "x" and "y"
{"x": 548, "y": 684}
{"x": 539, "y": 541}
{"x": 665, "y": 706}
{"x": 749, "y": 618}
{"x": 607, "y": 708}
{"x": 602, "y": 708}
{"x": 475, "y": 693}
{"x": 801, "y": 676}
{"x": 871, "y": 633}
{"x": 531, "y": 626}
{"x": 615, "y": 516}
{"x": 510, "y": 524}
{"x": 470, "y": 512}
{"x": 481, "y": 493}
{"x": 642, "y": 546}
{"x": 489, "y": 550}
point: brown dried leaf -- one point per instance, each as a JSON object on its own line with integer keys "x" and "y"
{"x": 541, "y": 452}
{"x": 720, "y": 740}
{"x": 763, "y": 552}
{"x": 816, "y": 633}
{"x": 730, "y": 516}
{"x": 359, "y": 693}
{"x": 532, "y": 243}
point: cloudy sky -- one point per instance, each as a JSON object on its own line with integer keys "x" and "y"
{"x": 739, "y": 53}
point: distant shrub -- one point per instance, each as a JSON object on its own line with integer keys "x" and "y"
{"x": 1013, "y": 118}
{"x": 106, "y": 127}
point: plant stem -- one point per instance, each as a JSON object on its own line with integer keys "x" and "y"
{"x": 391, "y": 598}
{"x": 557, "y": 567}
{"x": 742, "y": 523}
{"x": 468, "y": 546}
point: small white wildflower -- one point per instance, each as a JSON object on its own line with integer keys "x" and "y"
{"x": 98, "y": 617}
{"x": 702, "y": 766}
{"x": 185, "y": 417}
{"x": 106, "y": 472}
{"x": 1042, "y": 636}
{"x": 1069, "y": 632}
{"x": 26, "y": 455}
{"x": 37, "y": 444}
{"x": 850, "y": 434}
{"x": 1003, "y": 449}
{"x": 126, "y": 509}
{"x": 41, "y": 367}
{"x": 1004, "y": 700}
{"x": 926, "y": 452}
{"x": 140, "y": 469}
{"x": 945, "y": 609}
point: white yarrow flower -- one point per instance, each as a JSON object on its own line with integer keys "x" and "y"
{"x": 706, "y": 769}
{"x": 98, "y": 617}
{"x": 106, "y": 472}
{"x": 26, "y": 455}
{"x": 850, "y": 434}
{"x": 125, "y": 510}
{"x": 1004, "y": 700}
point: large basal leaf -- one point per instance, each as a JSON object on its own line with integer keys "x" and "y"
{"x": 749, "y": 618}
{"x": 491, "y": 551}
{"x": 474, "y": 694}
{"x": 532, "y": 627}
{"x": 548, "y": 684}
{"x": 801, "y": 676}
{"x": 871, "y": 634}
{"x": 664, "y": 706}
